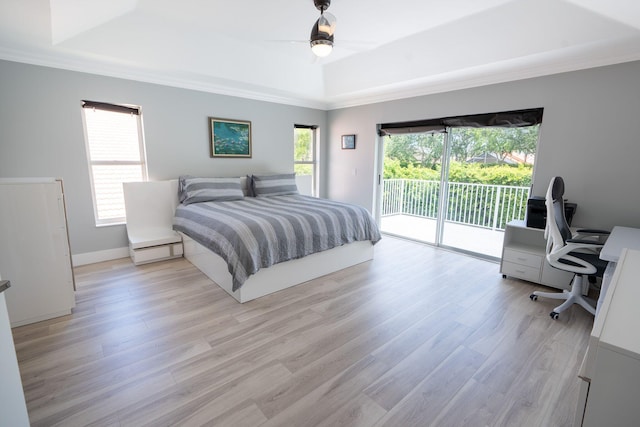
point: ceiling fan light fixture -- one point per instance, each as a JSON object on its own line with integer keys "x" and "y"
{"x": 322, "y": 5}
{"x": 321, "y": 48}
{"x": 324, "y": 26}
{"x": 321, "y": 39}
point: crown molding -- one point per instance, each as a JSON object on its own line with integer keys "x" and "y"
{"x": 130, "y": 72}
{"x": 502, "y": 72}
{"x": 594, "y": 55}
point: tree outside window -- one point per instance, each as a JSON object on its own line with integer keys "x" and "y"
{"x": 305, "y": 154}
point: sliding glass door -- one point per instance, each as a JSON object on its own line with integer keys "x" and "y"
{"x": 488, "y": 180}
{"x": 456, "y": 187}
{"x": 412, "y": 185}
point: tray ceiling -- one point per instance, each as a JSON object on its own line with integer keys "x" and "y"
{"x": 383, "y": 49}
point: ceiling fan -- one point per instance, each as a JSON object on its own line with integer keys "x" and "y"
{"x": 321, "y": 39}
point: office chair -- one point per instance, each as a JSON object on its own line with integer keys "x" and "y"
{"x": 578, "y": 254}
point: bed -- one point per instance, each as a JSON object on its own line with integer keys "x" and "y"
{"x": 280, "y": 241}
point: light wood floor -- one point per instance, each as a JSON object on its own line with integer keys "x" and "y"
{"x": 419, "y": 336}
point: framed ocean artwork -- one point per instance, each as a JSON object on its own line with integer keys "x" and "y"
{"x": 230, "y": 138}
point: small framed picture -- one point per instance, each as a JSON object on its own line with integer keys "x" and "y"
{"x": 348, "y": 142}
{"x": 230, "y": 138}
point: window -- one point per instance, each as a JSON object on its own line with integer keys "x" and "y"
{"x": 115, "y": 152}
{"x": 305, "y": 156}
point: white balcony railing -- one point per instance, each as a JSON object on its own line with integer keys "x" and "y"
{"x": 481, "y": 205}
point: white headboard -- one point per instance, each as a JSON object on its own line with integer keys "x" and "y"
{"x": 303, "y": 182}
{"x": 152, "y": 204}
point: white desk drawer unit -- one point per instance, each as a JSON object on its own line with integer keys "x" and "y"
{"x": 523, "y": 257}
{"x": 521, "y": 271}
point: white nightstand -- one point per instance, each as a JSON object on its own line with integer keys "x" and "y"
{"x": 150, "y": 208}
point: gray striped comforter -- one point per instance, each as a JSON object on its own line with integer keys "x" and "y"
{"x": 257, "y": 232}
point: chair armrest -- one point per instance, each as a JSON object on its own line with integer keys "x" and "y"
{"x": 591, "y": 243}
{"x": 573, "y": 247}
{"x": 593, "y": 231}
{"x": 599, "y": 236}
{"x": 579, "y": 265}
{"x": 588, "y": 246}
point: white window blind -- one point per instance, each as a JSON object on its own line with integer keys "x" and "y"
{"x": 115, "y": 151}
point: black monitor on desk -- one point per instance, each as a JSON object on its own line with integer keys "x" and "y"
{"x": 536, "y": 215}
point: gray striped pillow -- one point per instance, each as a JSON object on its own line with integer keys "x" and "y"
{"x": 274, "y": 185}
{"x": 199, "y": 190}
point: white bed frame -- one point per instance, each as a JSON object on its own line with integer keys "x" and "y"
{"x": 267, "y": 280}
{"x": 279, "y": 276}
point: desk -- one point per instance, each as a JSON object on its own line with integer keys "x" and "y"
{"x": 620, "y": 238}
{"x": 611, "y": 366}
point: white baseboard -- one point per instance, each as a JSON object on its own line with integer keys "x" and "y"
{"x": 99, "y": 256}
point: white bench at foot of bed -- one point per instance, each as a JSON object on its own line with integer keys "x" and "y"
{"x": 278, "y": 276}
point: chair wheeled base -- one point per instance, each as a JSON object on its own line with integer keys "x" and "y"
{"x": 573, "y": 296}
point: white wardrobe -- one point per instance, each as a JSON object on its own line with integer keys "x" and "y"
{"x": 34, "y": 250}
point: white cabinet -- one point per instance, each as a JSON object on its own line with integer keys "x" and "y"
{"x": 611, "y": 367}
{"x": 34, "y": 250}
{"x": 523, "y": 257}
{"x": 13, "y": 409}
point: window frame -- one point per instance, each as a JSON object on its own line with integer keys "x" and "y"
{"x": 314, "y": 162}
{"x": 114, "y": 108}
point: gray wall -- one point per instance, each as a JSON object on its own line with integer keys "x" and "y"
{"x": 41, "y": 134}
{"x": 590, "y": 135}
